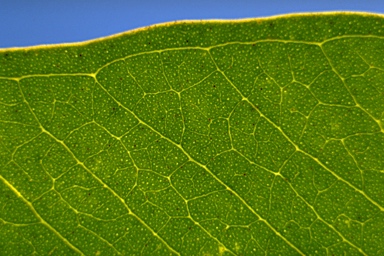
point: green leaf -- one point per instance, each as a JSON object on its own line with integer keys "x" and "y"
{"x": 253, "y": 137}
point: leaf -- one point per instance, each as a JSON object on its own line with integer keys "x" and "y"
{"x": 253, "y": 137}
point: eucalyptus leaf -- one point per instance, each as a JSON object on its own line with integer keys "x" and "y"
{"x": 251, "y": 137}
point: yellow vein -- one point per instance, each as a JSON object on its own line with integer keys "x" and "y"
{"x": 206, "y": 169}
{"x": 294, "y": 144}
{"x": 206, "y": 48}
{"x": 39, "y": 217}
{"x": 102, "y": 239}
{"x": 97, "y": 178}
{"x": 185, "y": 200}
{"x": 110, "y": 190}
{"x": 349, "y": 90}
{"x": 305, "y": 201}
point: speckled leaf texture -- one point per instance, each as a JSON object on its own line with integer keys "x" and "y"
{"x": 251, "y": 137}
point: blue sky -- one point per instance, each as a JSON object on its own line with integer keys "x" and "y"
{"x": 29, "y": 22}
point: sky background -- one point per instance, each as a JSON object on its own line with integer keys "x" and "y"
{"x": 32, "y": 22}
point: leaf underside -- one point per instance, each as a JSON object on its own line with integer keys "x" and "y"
{"x": 253, "y": 137}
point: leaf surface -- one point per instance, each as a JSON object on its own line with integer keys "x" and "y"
{"x": 253, "y": 137}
